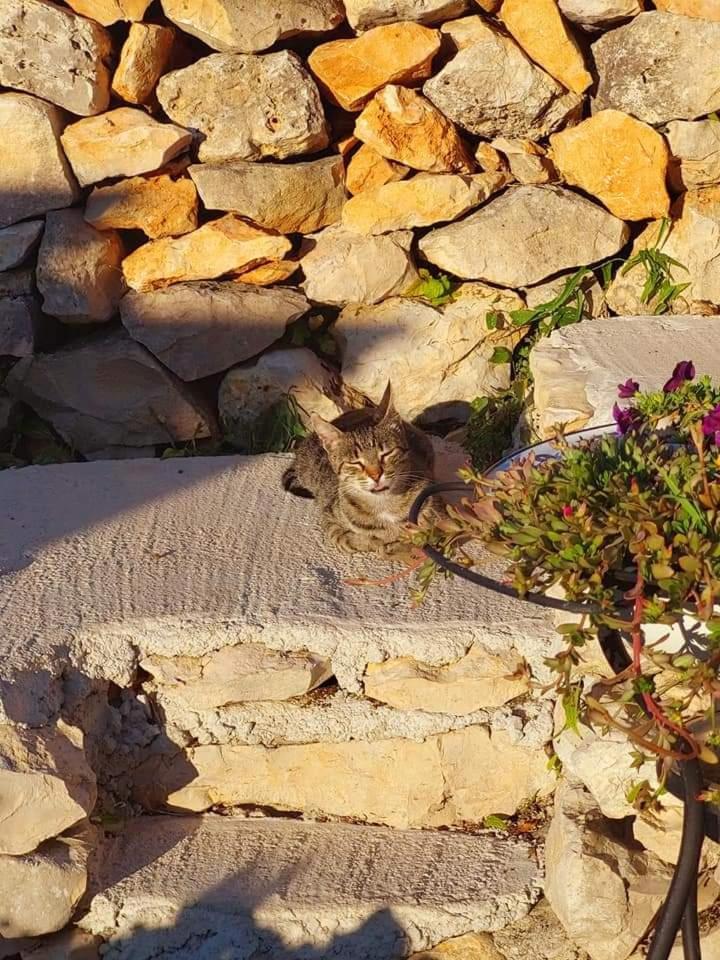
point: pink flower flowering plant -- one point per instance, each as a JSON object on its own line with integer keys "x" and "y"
{"x": 627, "y": 524}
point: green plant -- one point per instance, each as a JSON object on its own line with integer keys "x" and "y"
{"x": 659, "y": 288}
{"x": 490, "y": 427}
{"x": 436, "y": 290}
{"x": 278, "y": 429}
{"x": 628, "y": 525}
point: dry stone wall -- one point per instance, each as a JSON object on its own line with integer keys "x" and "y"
{"x": 190, "y": 191}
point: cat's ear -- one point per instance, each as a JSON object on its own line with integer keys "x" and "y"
{"x": 328, "y": 435}
{"x": 385, "y": 409}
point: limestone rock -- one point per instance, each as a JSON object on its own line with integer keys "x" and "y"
{"x": 69, "y": 944}
{"x": 143, "y": 59}
{"x": 538, "y": 935}
{"x": 437, "y": 359}
{"x": 604, "y": 892}
{"x": 693, "y": 242}
{"x": 9, "y": 409}
{"x": 695, "y": 149}
{"x": 121, "y": 143}
{"x": 17, "y": 243}
{"x": 220, "y": 247}
{"x": 479, "y": 680}
{"x": 403, "y": 126}
{"x": 709, "y": 945}
{"x": 351, "y": 71}
{"x": 489, "y": 6}
{"x": 236, "y": 674}
{"x": 659, "y": 67}
{"x": 19, "y": 314}
{"x": 425, "y": 199}
{"x": 197, "y": 329}
{"x": 275, "y": 271}
{"x": 704, "y": 9}
{"x": 159, "y": 206}
{"x": 110, "y": 11}
{"x": 246, "y": 26}
{"x": 39, "y": 891}
{"x": 459, "y": 776}
{"x": 490, "y": 158}
{"x": 600, "y": 14}
{"x": 470, "y": 946}
{"x": 367, "y": 169}
{"x": 590, "y": 286}
{"x": 47, "y": 50}
{"x": 343, "y": 267}
{"x": 491, "y": 88}
{"x": 247, "y": 393}
{"x": 525, "y": 235}
{"x": 527, "y": 161}
{"x": 539, "y": 28}
{"x": 291, "y": 198}
{"x": 618, "y": 159}
{"x": 46, "y": 785}
{"x": 34, "y": 174}
{"x": 78, "y": 271}
{"x": 364, "y": 14}
{"x": 108, "y": 391}
{"x": 233, "y": 101}
{"x": 458, "y": 34}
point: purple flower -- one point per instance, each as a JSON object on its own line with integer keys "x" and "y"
{"x": 685, "y": 370}
{"x": 628, "y": 389}
{"x": 711, "y": 425}
{"x": 626, "y": 420}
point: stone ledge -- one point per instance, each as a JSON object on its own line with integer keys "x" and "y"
{"x": 300, "y": 891}
{"x": 577, "y": 368}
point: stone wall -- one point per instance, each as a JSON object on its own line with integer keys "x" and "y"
{"x": 204, "y": 207}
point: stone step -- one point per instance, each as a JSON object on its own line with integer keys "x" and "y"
{"x": 211, "y": 887}
{"x": 577, "y": 369}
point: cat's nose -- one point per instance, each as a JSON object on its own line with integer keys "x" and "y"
{"x": 375, "y": 473}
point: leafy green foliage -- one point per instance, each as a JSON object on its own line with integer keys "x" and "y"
{"x": 436, "y": 290}
{"x": 33, "y": 441}
{"x": 490, "y": 427}
{"x": 278, "y": 429}
{"x": 495, "y": 822}
{"x": 660, "y": 289}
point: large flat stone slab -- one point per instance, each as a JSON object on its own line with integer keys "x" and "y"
{"x": 211, "y": 887}
{"x": 103, "y": 564}
{"x": 578, "y": 368}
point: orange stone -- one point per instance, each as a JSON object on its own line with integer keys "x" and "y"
{"x": 367, "y": 170}
{"x": 143, "y": 59}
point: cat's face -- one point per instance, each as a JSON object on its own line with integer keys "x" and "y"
{"x": 372, "y": 460}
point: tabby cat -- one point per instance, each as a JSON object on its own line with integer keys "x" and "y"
{"x": 365, "y": 468}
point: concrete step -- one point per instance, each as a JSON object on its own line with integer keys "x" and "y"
{"x": 204, "y": 888}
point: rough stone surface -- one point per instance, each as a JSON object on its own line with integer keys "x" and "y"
{"x": 39, "y": 891}
{"x": 78, "y": 271}
{"x": 47, "y": 50}
{"x": 9, "y": 409}
{"x": 46, "y": 785}
{"x": 618, "y": 159}
{"x": 470, "y": 946}
{"x": 275, "y": 271}
{"x": 527, "y": 160}
{"x": 143, "y": 59}
{"x": 110, "y": 11}
{"x": 438, "y": 359}
{"x": 34, "y": 174}
{"x": 695, "y": 149}
{"x": 704, "y": 9}
{"x": 422, "y": 201}
{"x": 19, "y": 314}
{"x": 289, "y": 197}
{"x": 121, "y": 143}
{"x": 364, "y": 14}
{"x": 538, "y": 935}
{"x": 576, "y": 372}
{"x": 539, "y": 28}
{"x": 524, "y": 236}
{"x": 591, "y": 287}
{"x": 458, "y": 34}
{"x": 303, "y": 890}
{"x": 491, "y": 88}
{"x": 367, "y": 169}
{"x": 197, "y": 329}
{"x": 659, "y": 67}
{"x": 166, "y": 557}
{"x": 605, "y": 892}
{"x": 248, "y": 392}
{"x": 223, "y": 246}
{"x": 478, "y": 680}
{"x": 404, "y": 126}
{"x": 600, "y": 14}
{"x": 236, "y": 674}
{"x": 464, "y": 775}
{"x": 246, "y": 26}
{"x": 351, "y": 71}
{"x": 108, "y": 390}
{"x": 159, "y": 206}
{"x": 692, "y": 241}
{"x": 245, "y": 123}
{"x": 344, "y": 267}
{"x": 17, "y": 243}
{"x": 69, "y": 944}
